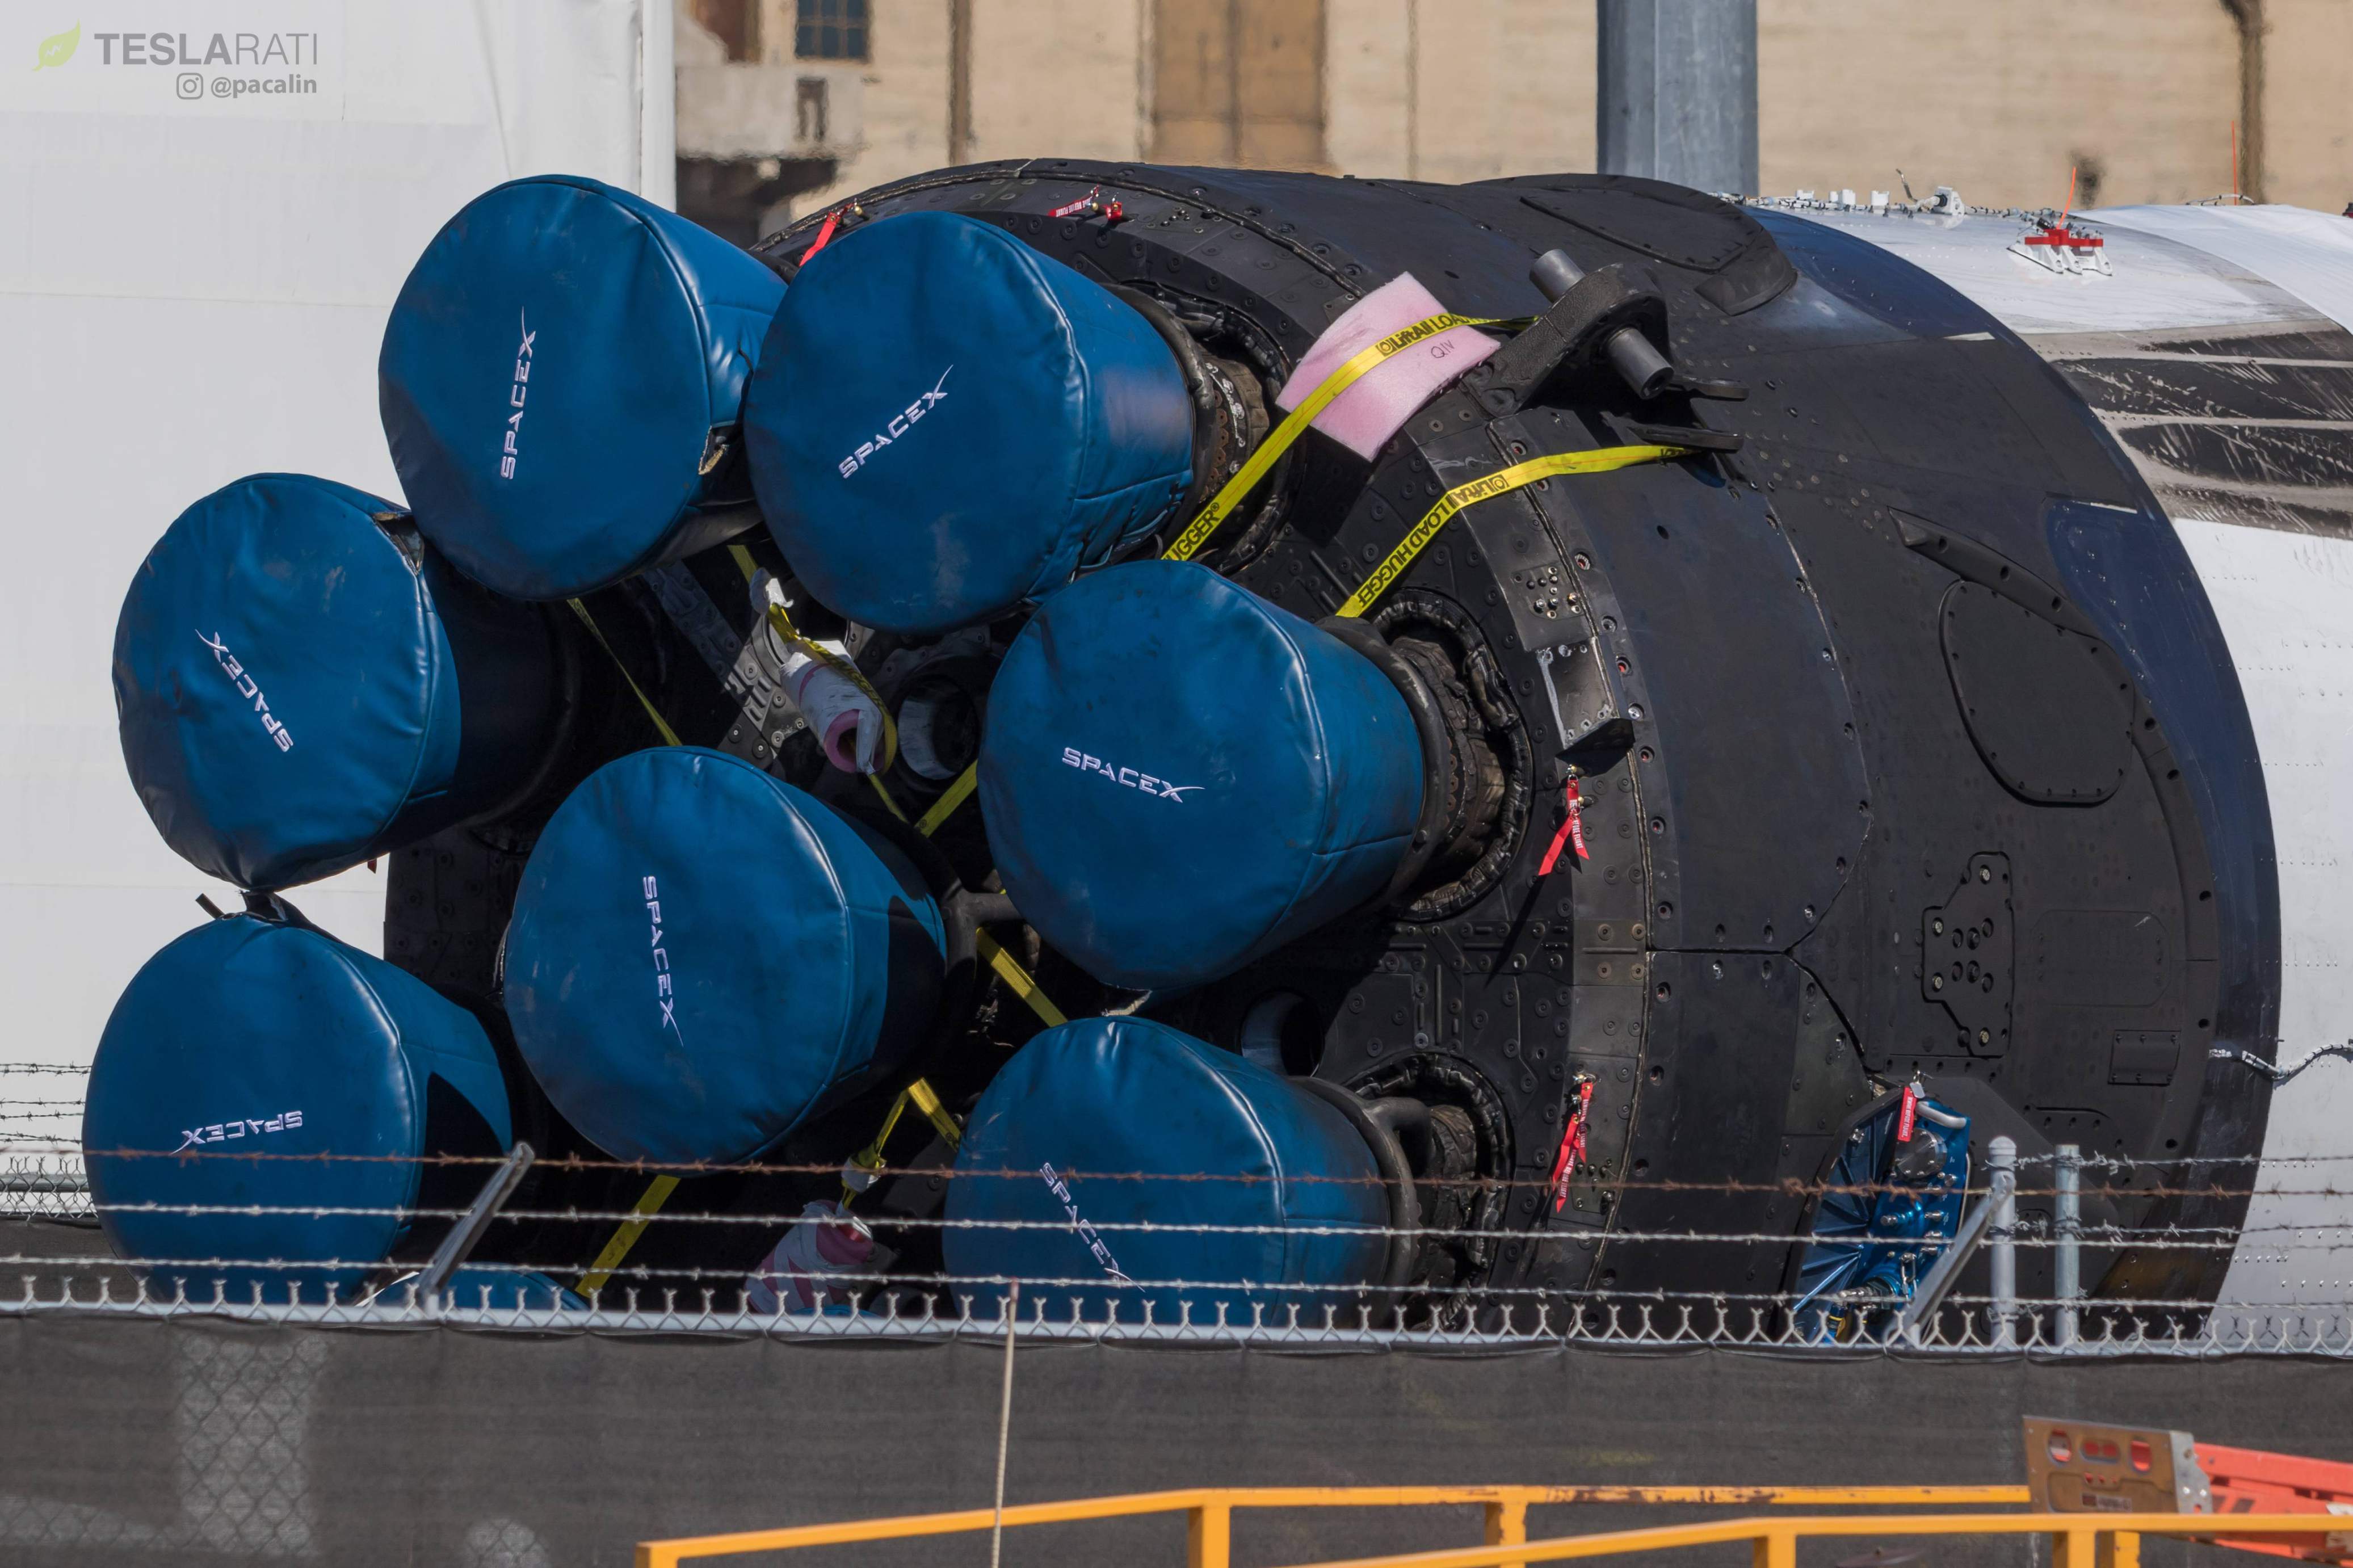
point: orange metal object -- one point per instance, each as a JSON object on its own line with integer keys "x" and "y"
{"x": 2078, "y": 1540}
{"x": 1208, "y": 1513}
{"x": 2247, "y": 1481}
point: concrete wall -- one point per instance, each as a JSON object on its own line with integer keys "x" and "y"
{"x": 903, "y": 107}
{"x": 1459, "y": 89}
{"x": 1997, "y": 98}
{"x": 2307, "y": 121}
{"x": 1061, "y": 79}
{"x": 1064, "y": 78}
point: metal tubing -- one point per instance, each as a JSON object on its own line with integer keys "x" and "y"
{"x": 1507, "y": 1523}
{"x": 2000, "y": 1207}
{"x": 1004, "y": 1422}
{"x": 1208, "y": 1536}
{"x": 1675, "y": 98}
{"x": 1642, "y": 367}
{"x": 2001, "y": 1158}
{"x": 2067, "y": 1267}
{"x": 1633, "y": 356}
{"x": 1208, "y": 1513}
{"x": 1554, "y": 273}
{"x": 1504, "y": 1504}
{"x": 459, "y": 1244}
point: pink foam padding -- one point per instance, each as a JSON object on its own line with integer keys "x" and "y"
{"x": 1385, "y": 397}
{"x": 840, "y": 741}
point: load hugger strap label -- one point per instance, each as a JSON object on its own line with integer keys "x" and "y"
{"x": 1279, "y": 441}
{"x": 1500, "y": 482}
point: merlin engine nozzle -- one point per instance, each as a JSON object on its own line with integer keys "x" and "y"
{"x": 1630, "y": 354}
{"x": 339, "y": 1103}
{"x": 302, "y": 684}
{"x": 1179, "y": 777}
{"x": 608, "y": 442}
{"x": 1123, "y": 1151}
{"x": 946, "y": 422}
{"x": 704, "y": 957}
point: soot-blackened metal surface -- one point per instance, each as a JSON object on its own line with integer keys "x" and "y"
{"x": 1790, "y": 776}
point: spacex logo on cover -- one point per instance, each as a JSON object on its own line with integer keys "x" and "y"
{"x": 245, "y": 687}
{"x": 239, "y": 1127}
{"x": 514, "y": 399}
{"x": 900, "y": 422}
{"x": 663, "y": 996}
{"x": 1160, "y": 788}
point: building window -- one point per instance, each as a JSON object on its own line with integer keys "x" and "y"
{"x": 808, "y": 110}
{"x": 735, "y": 22}
{"x": 831, "y": 30}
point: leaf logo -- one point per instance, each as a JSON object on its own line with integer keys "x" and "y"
{"x": 58, "y": 50}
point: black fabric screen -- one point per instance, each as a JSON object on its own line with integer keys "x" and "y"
{"x": 190, "y": 1441}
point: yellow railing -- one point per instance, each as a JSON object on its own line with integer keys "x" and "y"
{"x": 2077, "y": 1539}
{"x": 1209, "y": 1512}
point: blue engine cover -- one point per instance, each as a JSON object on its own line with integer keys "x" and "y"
{"x": 1179, "y": 777}
{"x": 945, "y": 422}
{"x": 703, "y": 957}
{"x": 1081, "y": 1108}
{"x": 301, "y": 688}
{"x": 561, "y": 383}
{"x": 247, "y": 1037}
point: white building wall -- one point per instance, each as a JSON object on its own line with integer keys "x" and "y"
{"x": 193, "y": 290}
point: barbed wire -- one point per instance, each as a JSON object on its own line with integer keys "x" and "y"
{"x": 1621, "y": 1184}
{"x": 2221, "y": 1236}
{"x": 764, "y": 1167}
{"x": 1648, "y": 1319}
{"x": 301, "y": 1275}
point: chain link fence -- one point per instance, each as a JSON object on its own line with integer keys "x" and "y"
{"x": 62, "y": 1266}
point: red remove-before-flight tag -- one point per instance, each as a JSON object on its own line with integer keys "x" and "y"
{"x": 1572, "y": 830}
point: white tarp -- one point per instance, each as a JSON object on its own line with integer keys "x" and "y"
{"x": 2309, "y": 254}
{"x": 207, "y": 207}
{"x": 2160, "y": 279}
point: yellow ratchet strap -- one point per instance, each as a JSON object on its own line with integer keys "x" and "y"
{"x": 656, "y": 1193}
{"x": 1016, "y": 978}
{"x": 944, "y": 807}
{"x": 925, "y": 1099}
{"x": 987, "y": 947}
{"x": 1500, "y": 482}
{"x": 1279, "y": 441}
{"x": 668, "y": 735}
